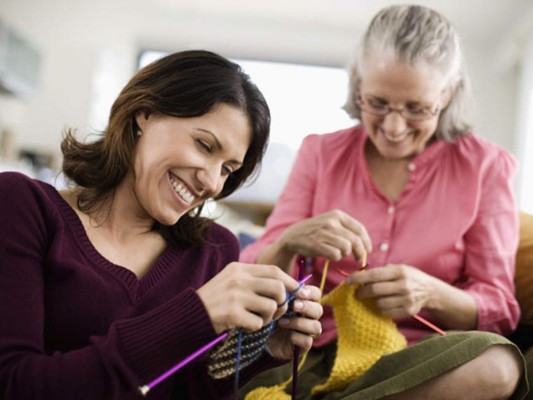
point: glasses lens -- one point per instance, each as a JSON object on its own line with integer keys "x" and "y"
{"x": 419, "y": 114}
{"x": 409, "y": 114}
{"x": 374, "y": 109}
{"x": 415, "y": 115}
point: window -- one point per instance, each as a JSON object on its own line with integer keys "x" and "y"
{"x": 303, "y": 99}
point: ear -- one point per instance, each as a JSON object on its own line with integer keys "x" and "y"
{"x": 141, "y": 117}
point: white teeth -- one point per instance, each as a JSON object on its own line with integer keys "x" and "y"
{"x": 182, "y": 191}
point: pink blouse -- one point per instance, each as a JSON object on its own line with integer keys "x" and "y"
{"x": 456, "y": 219}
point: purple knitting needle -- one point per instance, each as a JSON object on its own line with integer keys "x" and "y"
{"x": 146, "y": 388}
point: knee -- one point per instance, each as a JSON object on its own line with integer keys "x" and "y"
{"x": 501, "y": 371}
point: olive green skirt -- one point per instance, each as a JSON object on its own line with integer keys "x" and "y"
{"x": 392, "y": 373}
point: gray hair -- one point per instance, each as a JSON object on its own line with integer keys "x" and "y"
{"x": 415, "y": 34}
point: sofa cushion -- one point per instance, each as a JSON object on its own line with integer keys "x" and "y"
{"x": 524, "y": 268}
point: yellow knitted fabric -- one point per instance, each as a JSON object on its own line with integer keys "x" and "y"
{"x": 269, "y": 393}
{"x": 364, "y": 335}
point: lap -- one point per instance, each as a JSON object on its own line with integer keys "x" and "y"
{"x": 392, "y": 373}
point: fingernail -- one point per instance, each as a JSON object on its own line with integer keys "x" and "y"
{"x": 304, "y": 291}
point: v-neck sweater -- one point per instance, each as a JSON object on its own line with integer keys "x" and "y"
{"x": 76, "y": 326}
{"x": 455, "y": 219}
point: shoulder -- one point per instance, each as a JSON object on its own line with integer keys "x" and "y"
{"x": 15, "y": 178}
{"x": 332, "y": 148}
{"x": 333, "y": 139}
{"x": 222, "y": 239}
{"x": 484, "y": 154}
{"x": 19, "y": 184}
{"x": 27, "y": 202}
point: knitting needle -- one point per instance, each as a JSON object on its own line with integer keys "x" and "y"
{"x": 340, "y": 271}
{"x": 146, "y": 388}
{"x": 363, "y": 261}
{"x": 296, "y": 351}
{"x": 427, "y": 323}
{"x": 416, "y": 316}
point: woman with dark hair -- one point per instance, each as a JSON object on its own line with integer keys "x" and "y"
{"x": 106, "y": 285}
{"x": 430, "y": 205}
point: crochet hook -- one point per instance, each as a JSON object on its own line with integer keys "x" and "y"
{"x": 146, "y": 388}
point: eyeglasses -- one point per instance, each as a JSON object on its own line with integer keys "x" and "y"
{"x": 414, "y": 114}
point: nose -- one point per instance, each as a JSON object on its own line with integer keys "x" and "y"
{"x": 394, "y": 122}
{"x": 209, "y": 179}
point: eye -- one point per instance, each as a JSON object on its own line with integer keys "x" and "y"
{"x": 205, "y": 145}
{"x": 226, "y": 170}
{"x": 416, "y": 110}
{"x": 376, "y": 103}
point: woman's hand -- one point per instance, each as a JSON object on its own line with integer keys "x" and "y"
{"x": 246, "y": 296}
{"x": 399, "y": 290}
{"x": 301, "y": 328}
{"x": 332, "y": 235}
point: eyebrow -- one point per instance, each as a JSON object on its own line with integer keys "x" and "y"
{"x": 219, "y": 145}
{"x": 414, "y": 102}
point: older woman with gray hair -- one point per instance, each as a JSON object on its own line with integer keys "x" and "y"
{"x": 413, "y": 191}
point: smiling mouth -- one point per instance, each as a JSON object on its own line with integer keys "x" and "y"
{"x": 182, "y": 191}
{"x": 396, "y": 139}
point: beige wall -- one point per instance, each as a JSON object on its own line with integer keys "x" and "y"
{"x": 75, "y": 40}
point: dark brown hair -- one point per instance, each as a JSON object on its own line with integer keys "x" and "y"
{"x": 183, "y": 84}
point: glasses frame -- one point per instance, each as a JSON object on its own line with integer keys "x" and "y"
{"x": 387, "y": 109}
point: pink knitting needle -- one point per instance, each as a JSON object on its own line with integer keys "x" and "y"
{"x": 416, "y": 316}
{"x": 146, "y": 388}
{"x": 427, "y": 323}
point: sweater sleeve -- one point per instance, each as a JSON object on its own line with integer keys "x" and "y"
{"x": 112, "y": 366}
{"x": 491, "y": 245}
{"x": 296, "y": 200}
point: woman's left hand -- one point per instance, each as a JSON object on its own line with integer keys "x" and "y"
{"x": 301, "y": 328}
{"x": 399, "y": 290}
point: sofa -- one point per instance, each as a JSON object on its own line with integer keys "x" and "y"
{"x": 523, "y": 336}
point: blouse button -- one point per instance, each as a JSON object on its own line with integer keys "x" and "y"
{"x": 411, "y": 167}
{"x": 384, "y": 246}
{"x": 390, "y": 210}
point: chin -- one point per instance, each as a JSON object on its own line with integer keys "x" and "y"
{"x": 169, "y": 220}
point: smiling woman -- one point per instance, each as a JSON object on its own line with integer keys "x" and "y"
{"x": 192, "y": 156}
{"x": 433, "y": 206}
{"x": 109, "y": 283}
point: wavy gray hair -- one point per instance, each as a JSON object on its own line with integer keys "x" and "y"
{"x": 417, "y": 34}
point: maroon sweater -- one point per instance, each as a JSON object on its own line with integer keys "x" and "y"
{"x": 76, "y": 326}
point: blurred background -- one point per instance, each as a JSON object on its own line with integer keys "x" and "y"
{"x": 62, "y": 63}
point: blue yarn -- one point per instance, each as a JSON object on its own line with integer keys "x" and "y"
{"x": 288, "y": 299}
{"x": 237, "y": 365}
{"x": 290, "y": 295}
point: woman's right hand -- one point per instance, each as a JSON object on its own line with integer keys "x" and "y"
{"x": 246, "y": 296}
{"x": 332, "y": 235}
